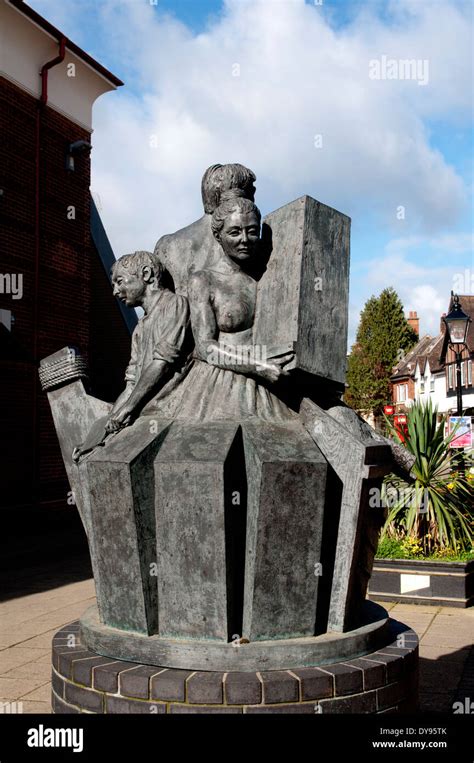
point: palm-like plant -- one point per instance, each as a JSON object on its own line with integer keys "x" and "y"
{"x": 437, "y": 507}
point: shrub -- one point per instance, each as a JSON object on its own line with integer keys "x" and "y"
{"x": 436, "y": 508}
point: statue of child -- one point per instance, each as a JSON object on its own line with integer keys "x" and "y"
{"x": 161, "y": 344}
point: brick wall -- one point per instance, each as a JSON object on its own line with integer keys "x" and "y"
{"x": 72, "y": 299}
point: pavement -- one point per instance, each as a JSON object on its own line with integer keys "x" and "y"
{"x": 28, "y": 623}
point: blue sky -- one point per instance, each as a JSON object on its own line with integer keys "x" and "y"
{"x": 396, "y": 155}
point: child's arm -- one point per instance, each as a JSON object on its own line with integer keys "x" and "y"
{"x": 169, "y": 336}
{"x": 122, "y": 415}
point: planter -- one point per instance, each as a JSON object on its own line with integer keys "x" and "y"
{"x": 448, "y": 584}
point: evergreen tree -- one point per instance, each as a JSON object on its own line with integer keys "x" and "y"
{"x": 383, "y": 337}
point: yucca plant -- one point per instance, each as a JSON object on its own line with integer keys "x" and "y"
{"x": 436, "y": 508}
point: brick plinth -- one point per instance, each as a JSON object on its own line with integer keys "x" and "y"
{"x": 380, "y": 682}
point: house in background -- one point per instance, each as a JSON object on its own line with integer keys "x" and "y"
{"x": 54, "y": 256}
{"x": 428, "y": 371}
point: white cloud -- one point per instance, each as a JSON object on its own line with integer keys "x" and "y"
{"x": 298, "y": 77}
{"x": 430, "y": 304}
{"x": 423, "y": 271}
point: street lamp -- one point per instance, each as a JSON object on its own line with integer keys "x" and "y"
{"x": 457, "y": 324}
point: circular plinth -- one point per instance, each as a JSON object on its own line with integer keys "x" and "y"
{"x": 258, "y": 655}
{"x": 385, "y": 680}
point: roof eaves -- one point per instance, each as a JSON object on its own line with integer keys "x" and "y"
{"x": 35, "y": 17}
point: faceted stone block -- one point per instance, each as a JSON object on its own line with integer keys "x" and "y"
{"x": 120, "y": 484}
{"x": 197, "y": 472}
{"x": 302, "y": 298}
{"x": 359, "y": 466}
{"x": 286, "y": 475}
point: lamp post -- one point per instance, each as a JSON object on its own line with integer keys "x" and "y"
{"x": 457, "y": 324}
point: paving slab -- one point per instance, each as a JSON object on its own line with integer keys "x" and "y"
{"x": 15, "y": 656}
{"x": 37, "y": 707}
{"x": 32, "y": 669}
{"x": 41, "y": 694}
{"x": 14, "y": 688}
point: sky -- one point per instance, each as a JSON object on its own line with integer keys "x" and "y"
{"x": 313, "y": 96}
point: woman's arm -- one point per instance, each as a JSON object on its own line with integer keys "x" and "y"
{"x": 205, "y": 332}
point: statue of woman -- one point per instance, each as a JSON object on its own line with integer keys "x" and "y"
{"x": 231, "y": 378}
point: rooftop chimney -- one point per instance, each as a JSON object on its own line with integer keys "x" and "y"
{"x": 414, "y": 321}
{"x": 442, "y": 325}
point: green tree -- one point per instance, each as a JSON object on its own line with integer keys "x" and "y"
{"x": 383, "y": 337}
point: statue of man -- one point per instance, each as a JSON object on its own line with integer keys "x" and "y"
{"x": 194, "y": 246}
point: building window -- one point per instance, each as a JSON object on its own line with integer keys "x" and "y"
{"x": 463, "y": 374}
{"x": 432, "y": 385}
{"x": 422, "y": 386}
{"x": 402, "y": 392}
{"x": 450, "y": 376}
{"x": 469, "y": 373}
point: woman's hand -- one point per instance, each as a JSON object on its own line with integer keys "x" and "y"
{"x": 274, "y": 370}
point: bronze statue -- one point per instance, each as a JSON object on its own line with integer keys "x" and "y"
{"x": 230, "y": 377}
{"x": 234, "y": 490}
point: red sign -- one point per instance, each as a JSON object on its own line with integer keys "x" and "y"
{"x": 400, "y": 423}
{"x": 389, "y": 410}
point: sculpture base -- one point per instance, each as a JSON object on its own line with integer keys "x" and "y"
{"x": 382, "y": 681}
{"x": 277, "y": 654}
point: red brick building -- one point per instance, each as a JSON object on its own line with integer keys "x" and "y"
{"x": 54, "y": 257}
{"x": 428, "y": 370}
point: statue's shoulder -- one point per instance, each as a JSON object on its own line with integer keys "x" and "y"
{"x": 191, "y": 234}
{"x": 172, "y": 301}
{"x": 198, "y": 283}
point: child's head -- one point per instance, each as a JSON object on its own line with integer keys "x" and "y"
{"x": 133, "y": 274}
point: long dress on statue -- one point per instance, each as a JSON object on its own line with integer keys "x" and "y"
{"x": 210, "y": 393}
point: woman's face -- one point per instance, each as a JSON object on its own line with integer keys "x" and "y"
{"x": 240, "y": 235}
